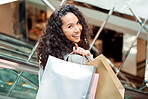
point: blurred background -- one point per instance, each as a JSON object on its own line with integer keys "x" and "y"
{"x": 22, "y": 22}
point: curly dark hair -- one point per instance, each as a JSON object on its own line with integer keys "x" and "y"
{"x": 53, "y": 41}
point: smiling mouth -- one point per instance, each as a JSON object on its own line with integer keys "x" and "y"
{"x": 76, "y": 36}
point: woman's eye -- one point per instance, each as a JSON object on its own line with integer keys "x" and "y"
{"x": 78, "y": 23}
{"x": 69, "y": 26}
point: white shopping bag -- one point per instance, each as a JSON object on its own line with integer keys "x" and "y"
{"x": 65, "y": 80}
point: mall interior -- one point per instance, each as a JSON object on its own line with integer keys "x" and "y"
{"x": 119, "y": 32}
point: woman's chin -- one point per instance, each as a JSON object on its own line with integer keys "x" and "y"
{"x": 77, "y": 41}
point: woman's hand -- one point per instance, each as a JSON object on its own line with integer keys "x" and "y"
{"x": 80, "y": 50}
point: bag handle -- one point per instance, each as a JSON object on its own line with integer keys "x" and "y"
{"x": 68, "y": 56}
{"x": 87, "y": 57}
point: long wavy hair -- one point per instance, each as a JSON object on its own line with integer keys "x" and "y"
{"x": 53, "y": 41}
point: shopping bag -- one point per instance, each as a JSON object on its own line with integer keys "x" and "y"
{"x": 109, "y": 86}
{"x": 94, "y": 84}
{"x": 65, "y": 80}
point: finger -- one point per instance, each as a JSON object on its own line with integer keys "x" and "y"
{"x": 88, "y": 53}
{"x": 78, "y": 50}
{"x": 83, "y": 53}
{"x": 74, "y": 50}
{"x": 76, "y": 46}
{"x": 81, "y": 50}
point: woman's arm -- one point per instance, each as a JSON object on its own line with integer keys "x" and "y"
{"x": 81, "y": 51}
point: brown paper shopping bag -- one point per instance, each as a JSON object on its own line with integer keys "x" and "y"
{"x": 109, "y": 86}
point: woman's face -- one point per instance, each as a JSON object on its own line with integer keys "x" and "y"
{"x": 71, "y": 27}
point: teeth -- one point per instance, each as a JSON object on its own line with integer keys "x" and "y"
{"x": 77, "y": 35}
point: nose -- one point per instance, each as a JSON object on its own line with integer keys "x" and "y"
{"x": 76, "y": 29}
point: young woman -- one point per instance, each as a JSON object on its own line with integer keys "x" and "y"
{"x": 66, "y": 31}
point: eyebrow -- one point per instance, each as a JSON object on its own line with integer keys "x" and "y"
{"x": 72, "y": 23}
{"x": 69, "y": 24}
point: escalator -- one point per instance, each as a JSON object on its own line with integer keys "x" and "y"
{"x": 18, "y": 77}
{"x": 18, "y": 72}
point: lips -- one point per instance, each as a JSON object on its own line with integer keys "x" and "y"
{"x": 76, "y": 36}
